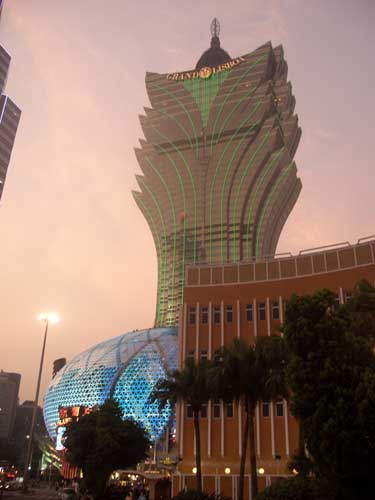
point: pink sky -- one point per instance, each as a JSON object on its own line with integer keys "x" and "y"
{"x": 72, "y": 238}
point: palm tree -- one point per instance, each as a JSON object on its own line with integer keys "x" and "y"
{"x": 190, "y": 386}
{"x": 249, "y": 373}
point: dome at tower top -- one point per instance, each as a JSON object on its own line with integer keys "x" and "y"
{"x": 215, "y": 55}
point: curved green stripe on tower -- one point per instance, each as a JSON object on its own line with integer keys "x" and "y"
{"x": 178, "y": 123}
{"x": 250, "y": 162}
{"x": 247, "y": 118}
{"x": 182, "y": 156}
{"x": 233, "y": 88}
{"x": 280, "y": 179}
{"x": 184, "y": 204}
{"x": 181, "y": 104}
{"x": 224, "y": 185}
{"x": 205, "y": 92}
{"x": 141, "y": 180}
{"x": 160, "y": 254}
{"x": 259, "y": 185}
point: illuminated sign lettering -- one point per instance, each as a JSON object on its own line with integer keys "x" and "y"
{"x": 205, "y": 72}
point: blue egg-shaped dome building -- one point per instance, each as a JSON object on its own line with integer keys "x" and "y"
{"x": 125, "y": 368}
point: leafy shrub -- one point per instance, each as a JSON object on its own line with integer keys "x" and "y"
{"x": 294, "y": 489}
{"x": 194, "y": 495}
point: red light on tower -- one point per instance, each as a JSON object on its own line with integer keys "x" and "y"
{"x": 182, "y": 216}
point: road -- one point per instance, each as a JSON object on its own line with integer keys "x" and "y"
{"x": 35, "y": 494}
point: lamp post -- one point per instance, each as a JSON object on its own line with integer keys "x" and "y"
{"x": 48, "y": 318}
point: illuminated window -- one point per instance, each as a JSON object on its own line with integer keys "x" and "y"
{"x": 204, "y": 315}
{"x": 249, "y": 312}
{"x": 262, "y": 311}
{"x": 229, "y": 314}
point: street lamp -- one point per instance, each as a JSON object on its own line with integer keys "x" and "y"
{"x": 50, "y": 317}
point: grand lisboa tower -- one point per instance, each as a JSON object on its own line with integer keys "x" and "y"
{"x": 218, "y": 183}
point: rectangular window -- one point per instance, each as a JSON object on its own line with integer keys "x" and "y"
{"x": 229, "y": 313}
{"x": 189, "y": 411}
{"x": 229, "y": 408}
{"x": 216, "y": 314}
{"x": 262, "y": 311}
{"x": 249, "y": 312}
{"x": 192, "y": 315}
{"x": 204, "y": 356}
{"x": 275, "y": 310}
{"x": 279, "y": 409}
{"x": 191, "y": 355}
{"x": 204, "y": 315}
{"x": 265, "y": 410}
{"x": 204, "y": 411}
{"x": 336, "y": 303}
{"x": 216, "y": 408}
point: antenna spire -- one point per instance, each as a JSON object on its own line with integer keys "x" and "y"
{"x": 215, "y": 28}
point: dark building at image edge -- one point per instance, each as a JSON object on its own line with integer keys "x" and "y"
{"x": 9, "y": 117}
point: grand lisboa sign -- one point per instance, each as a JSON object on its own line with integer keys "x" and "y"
{"x": 205, "y": 72}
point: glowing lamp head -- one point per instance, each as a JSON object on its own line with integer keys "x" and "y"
{"x": 50, "y": 317}
{"x": 261, "y": 471}
{"x": 227, "y": 470}
{"x": 194, "y": 470}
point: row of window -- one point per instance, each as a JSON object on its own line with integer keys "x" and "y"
{"x": 249, "y": 313}
{"x": 228, "y": 410}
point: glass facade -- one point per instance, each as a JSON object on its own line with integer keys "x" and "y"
{"x": 219, "y": 180}
{"x": 125, "y": 368}
{"x": 10, "y": 116}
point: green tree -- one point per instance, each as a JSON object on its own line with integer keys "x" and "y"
{"x": 331, "y": 376}
{"x": 297, "y": 488}
{"x": 102, "y": 442}
{"x": 361, "y": 308}
{"x": 249, "y": 373}
{"x": 188, "y": 385}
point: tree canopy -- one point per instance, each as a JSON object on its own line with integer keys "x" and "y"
{"x": 102, "y": 442}
{"x": 331, "y": 374}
